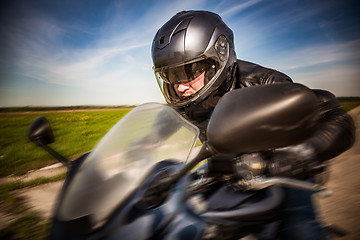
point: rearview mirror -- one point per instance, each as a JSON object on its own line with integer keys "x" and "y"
{"x": 262, "y": 117}
{"x": 40, "y": 132}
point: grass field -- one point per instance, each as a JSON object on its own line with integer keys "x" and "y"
{"x": 349, "y": 103}
{"x": 75, "y": 132}
{"x": 348, "y": 106}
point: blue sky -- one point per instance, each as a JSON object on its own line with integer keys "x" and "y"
{"x": 97, "y": 52}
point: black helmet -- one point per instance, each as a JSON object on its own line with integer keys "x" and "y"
{"x": 193, "y": 45}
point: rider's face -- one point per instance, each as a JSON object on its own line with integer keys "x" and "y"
{"x": 184, "y": 90}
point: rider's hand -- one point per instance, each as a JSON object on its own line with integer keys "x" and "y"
{"x": 294, "y": 161}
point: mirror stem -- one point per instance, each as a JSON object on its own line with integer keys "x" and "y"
{"x": 159, "y": 191}
{"x": 66, "y": 162}
{"x": 205, "y": 152}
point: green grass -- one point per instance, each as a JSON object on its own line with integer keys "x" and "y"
{"x": 75, "y": 133}
{"x": 60, "y": 108}
{"x": 348, "y": 106}
{"x": 349, "y": 103}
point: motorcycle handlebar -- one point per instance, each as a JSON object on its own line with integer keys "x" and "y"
{"x": 256, "y": 180}
{"x": 261, "y": 183}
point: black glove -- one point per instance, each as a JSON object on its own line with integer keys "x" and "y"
{"x": 221, "y": 164}
{"x": 246, "y": 166}
{"x": 294, "y": 161}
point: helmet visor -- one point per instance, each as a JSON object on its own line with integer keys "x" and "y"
{"x": 185, "y": 73}
{"x": 181, "y": 82}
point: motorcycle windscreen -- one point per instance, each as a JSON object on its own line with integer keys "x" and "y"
{"x": 118, "y": 165}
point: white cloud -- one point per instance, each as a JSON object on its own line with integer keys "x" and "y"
{"x": 238, "y": 7}
{"x": 312, "y": 55}
{"x": 115, "y": 67}
{"x": 342, "y": 81}
{"x": 332, "y": 67}
{"x": 56, "y": 63}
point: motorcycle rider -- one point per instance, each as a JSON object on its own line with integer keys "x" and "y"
{"x": 195, "y": 64}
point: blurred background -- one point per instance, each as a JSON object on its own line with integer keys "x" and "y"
{"x": 65, "y": 53}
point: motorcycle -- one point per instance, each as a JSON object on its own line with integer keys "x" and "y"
{"x": 151, "y": 178}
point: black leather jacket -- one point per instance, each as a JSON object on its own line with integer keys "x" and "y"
{"x": 336, "y": 132}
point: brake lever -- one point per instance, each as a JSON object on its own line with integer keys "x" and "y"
{"x": 261, "y": 183}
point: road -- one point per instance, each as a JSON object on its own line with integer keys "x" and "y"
{"x": 342, "y": 208}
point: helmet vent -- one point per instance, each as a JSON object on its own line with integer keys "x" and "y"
{"x": 162, "y": 40}
{"x": 181, "y": 13}
{"x": 221, "y": 47}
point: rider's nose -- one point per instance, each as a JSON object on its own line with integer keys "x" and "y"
{"x": 182, "y": 87}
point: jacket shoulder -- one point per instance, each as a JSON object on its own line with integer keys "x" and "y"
{"x": 253, "y": 74}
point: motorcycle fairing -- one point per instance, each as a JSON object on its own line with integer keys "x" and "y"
{"x": 170, "y": 220}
